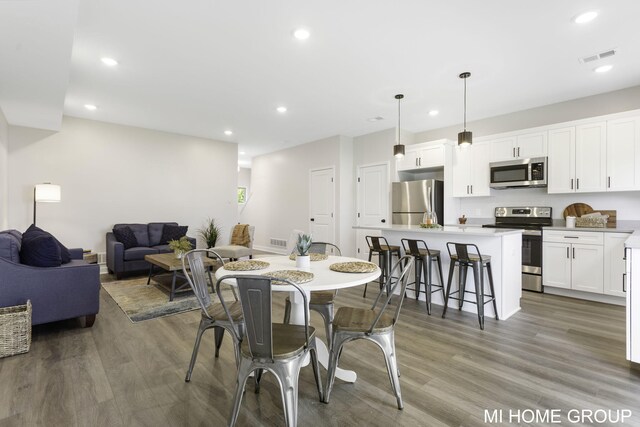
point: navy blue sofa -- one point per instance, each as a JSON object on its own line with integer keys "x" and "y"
{"x": 121, "y": 261}
{"x": 56, "y": 293}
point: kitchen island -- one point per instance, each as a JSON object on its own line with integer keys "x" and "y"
{"x": 503, "y": 245}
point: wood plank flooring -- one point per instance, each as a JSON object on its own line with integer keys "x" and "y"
{"x": 557, "y": 353}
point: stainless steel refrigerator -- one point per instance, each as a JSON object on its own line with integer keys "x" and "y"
{"x": 411, "y": 199}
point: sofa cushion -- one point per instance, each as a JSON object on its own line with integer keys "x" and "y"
{"x": 140, "y": 230}
{"x": 173, "y": 232}
{"x": 10, "y": 242}
{"x": 138, "y": 253}
{"x": 65, "y": 255}
{"x": 162, "y": 249}
{"x": 155, "y": 232}
{"x": 126, "y": 236}
{"x": 39, "y": 249}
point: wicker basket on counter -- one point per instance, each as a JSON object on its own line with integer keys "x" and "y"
{"x": 15, "y": 329}
{"x": 592, "y": 222}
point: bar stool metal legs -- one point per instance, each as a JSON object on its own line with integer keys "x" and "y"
{"x": 424, "y": 260}
{"x": 379, "y": 246}
{"x": 478, "y": 263}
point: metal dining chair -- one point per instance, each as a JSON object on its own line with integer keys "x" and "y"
{"x": 278, "y": 348}
{"x": 373, "y": 324}
{"x": 379, "y": 246}
{"x": 212, "y": 314}
{"x": 320, "y": 301}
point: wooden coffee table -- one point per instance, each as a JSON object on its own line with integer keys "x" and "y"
{"x": 169, "y": 262}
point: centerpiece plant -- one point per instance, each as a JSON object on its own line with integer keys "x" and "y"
{"x": 181, "y": 246}
{"x": 303, "y": 260}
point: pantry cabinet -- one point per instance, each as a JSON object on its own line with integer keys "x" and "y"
{"x": 471, "y": 170}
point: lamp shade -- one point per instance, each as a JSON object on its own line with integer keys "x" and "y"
{"x": 47, "y": 193}
{"x": 398, "y": 151}
{"x": 465, "y": 138}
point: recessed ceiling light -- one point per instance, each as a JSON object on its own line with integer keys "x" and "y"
{"x": 434, "y": 113}
{"x": 90, "y": 107}
{"x": 585, "y": 17}
{"x": 603, "y": 68}
{"x": 375, "y": 119}
{"x": 301, "y": 34}
{"x": 228, "y": 132}
{"x": 281, "y": 109}
{"x": 242, "y": 153}
{"x": 110, "y": 62}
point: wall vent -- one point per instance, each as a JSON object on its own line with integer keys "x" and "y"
{"x": 281, "y": 243}
{"x": 102, "y": 257}
{"x": 598, "y": 56}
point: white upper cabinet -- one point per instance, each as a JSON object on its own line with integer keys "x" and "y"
{"x": 421, "y": 156}
{"x": 471, "y": 170}
{"x": 561, "y": 163}
{"x": 523, "y": 146}
{"x": 623, "y": 154}
{"x": 591, "y": 157}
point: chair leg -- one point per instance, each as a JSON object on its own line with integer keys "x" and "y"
{"x": 316, "y": 369}
{"x": 287, "y": 311}
{"x": 287, "y": 374}
{"x": 479, "y": 285}
{"x": 493, "y": 293}
{"x": 452, "y": 267}
{"x": 257, "y": 378}
{"x": 334, "y": 355}
{"x": 427, "y": 286}
{"x": 219, "y": 335}
{"x": 418, "y": 276}
{"x": 438, "y": 260}
{"x": 194, "y": 355}
{"x": 462, "y": 284}
{"x": 387, "y": 344}
{"x": 326, "y": 311}
{"x": 244, "y": 369}
{"x": 364, "y": 294}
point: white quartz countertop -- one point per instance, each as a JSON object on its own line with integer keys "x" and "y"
{"x": 600, "y": 230}
{"x": 448, "y": 229}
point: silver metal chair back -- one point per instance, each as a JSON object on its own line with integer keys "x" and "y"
{"x": 403, "y": 266}
{"x": 463, "y": 253}
{"x": 413, "y": 247}
{"x": 196, "y": 275}
{"x": 255, "y": 298}
{"x": 324, "y": 248}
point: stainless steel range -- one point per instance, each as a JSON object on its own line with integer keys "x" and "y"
{"x": 530, "y": 219}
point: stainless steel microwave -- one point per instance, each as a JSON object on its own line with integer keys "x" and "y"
{"x": 519, "y": 173}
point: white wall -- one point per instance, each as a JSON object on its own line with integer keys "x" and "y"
{"x": 279, "y": 199}
{"x": 346, "y": 198}
{"x": 117, "y": 174}
{"x": 4, "y": 173}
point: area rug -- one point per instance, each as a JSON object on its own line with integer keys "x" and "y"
{"x": 140, "y": 301}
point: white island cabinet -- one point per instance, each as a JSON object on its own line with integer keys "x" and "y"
{"x": 632, "y": 287}
{"x": 504, "y": 247}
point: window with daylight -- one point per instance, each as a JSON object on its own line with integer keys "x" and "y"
{"x": 242, "y": 195}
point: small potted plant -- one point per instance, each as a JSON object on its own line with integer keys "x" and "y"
{"x": 180, "y": 247}
{"x": 210, "y": 233}
{"x": 303, "y": 260}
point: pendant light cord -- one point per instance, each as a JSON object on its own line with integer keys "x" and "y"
{"x": 465, "y": 104}
{"x": 398, "y": 121}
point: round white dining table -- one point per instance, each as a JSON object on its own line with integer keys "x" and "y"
{"x": 323, "y": 279}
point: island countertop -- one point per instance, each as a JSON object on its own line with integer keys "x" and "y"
{"x": 458, "y": 230}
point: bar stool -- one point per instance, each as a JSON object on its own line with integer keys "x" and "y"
{"x": 424, "y": 257}
{"x": 379, "y": 246}
{"x": 478, "y": 263}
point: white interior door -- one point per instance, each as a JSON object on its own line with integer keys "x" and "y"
{"x": 373, "y": 195}
{"x": 321, "y": 205}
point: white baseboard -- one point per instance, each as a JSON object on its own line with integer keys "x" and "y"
{"x": 607, "y": 299}
{"x": 281, "y": 251}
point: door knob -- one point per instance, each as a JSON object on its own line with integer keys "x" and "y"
{"x": 313, "y": 219}
{"x": 383, "y": 220}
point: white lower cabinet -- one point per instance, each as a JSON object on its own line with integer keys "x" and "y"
{"x": 573, "y": 260}
{"x": 614, "y": 264}
{"x": 633, "y": 304}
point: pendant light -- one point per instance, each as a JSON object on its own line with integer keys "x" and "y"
{"x": 398, "y": 149}
{"x": 465, "y": 137}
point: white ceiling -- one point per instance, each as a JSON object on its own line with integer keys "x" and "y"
{"x": 199, "y": 67}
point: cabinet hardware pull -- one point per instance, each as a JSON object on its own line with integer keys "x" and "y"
{"x": 574, "y": 252}
{"x": 514, "y": 151}
{"x": 577, "y": 183}
{"x": 383, "y": 220}
{"x": 471, "y": 188}
{"x": 567, "y": 251}
{"x": 571, "y": 237}
{"x": 467, "y": 189}
{"x": 624, "y": 282}
{"x": 608, "y": 182}
{"x": 518, "y": 151}
{"x": 416, "y": 161}
{"x": 572, "y": 183}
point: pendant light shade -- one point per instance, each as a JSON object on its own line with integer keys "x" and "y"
{"x": 398, "y": 149}
{"x": 465, "y": 138}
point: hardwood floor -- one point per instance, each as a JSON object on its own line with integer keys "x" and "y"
{"x": 557, "y": 353}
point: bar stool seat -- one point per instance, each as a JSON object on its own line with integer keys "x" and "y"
{"x": 463, "y": 259}
{"x": 379, "y": 246}
{"x": 424, "y": 258}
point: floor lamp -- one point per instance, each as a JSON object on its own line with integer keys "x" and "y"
{"x": 48, "y": 193}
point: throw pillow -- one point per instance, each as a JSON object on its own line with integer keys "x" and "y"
{"x": 39, "y": 249}
{"x": 172, "y": 232}
{"x": 65, "y": 255}
{"x": 125, "y": 236}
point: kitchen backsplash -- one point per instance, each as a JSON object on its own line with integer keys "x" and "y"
{"x": 626, "y": 203}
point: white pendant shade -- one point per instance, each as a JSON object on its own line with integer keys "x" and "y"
{"x": 48, "y": 193}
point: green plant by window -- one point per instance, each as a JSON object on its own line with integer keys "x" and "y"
{"x": 210, "y": 232}
{"x": 242, "y": 195}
